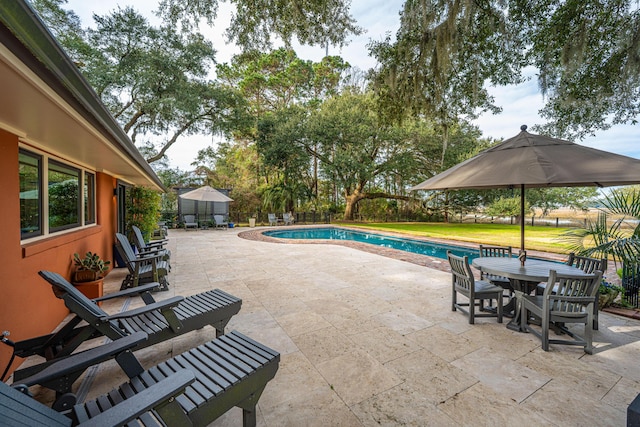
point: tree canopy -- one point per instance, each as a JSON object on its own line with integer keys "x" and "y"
{"x": 447, "y": 50}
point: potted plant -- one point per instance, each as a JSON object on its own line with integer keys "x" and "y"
{"x": 89, "y": 274}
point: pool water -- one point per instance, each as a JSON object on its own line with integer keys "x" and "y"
{"x": 437, "y": 250}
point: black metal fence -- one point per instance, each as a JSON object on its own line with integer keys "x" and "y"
{"x": 172, "y": 220}
{"x": 631, "y": 282}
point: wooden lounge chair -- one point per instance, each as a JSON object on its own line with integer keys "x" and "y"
{"x": 231, "y": 370}
{"x": 566, "y": 299}
{"x": 19, "y": 409}
{"x": 161, "y": 320}
{"x": 220, "y": 221}
{"x": 143, "y": 268}
{"x": 151, "y": 247}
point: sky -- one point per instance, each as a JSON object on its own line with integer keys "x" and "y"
{"x": 520, "y": 103}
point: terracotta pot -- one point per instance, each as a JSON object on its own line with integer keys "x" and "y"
{"x": 81, "y": 276}
{"x": 91, "y": 290}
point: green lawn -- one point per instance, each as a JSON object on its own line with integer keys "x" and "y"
{"x": 536, "y": 238}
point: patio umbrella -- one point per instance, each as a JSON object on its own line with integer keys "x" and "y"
{"x": 206, "y": 194}
{"x": 533, "y": 161}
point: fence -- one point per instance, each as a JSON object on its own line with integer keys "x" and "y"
{"x": 631, "y": 282}
{"x": 171, "y": 219}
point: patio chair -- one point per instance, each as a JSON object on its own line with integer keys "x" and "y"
{"x": 220, "y": 221}
{"x": 232, "y": 370}
{"x": 190, "y": 222}
{"x": 273, "y": 219}
{"x": 144, "y": 268}
{"x": 588, "y": 265}
{"x": 463, "y": 282}
{"x": 20, "y": 409}
{"x": 497, "y": 251}
{"x": 287, "y": 219}
{"x": 153, "y": 246}
{"x": 566, "y": 299}
{"x": 161, "y": 320}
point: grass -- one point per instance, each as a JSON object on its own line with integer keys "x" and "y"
{"x": 546, "y": 239}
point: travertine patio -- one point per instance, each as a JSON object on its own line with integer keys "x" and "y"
{"x": 370, "y": 340}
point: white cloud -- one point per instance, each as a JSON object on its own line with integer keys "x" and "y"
{"x": 520, "y": 103}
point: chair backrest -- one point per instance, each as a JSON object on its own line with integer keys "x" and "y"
{"x": 587, "y": 264}
{"x": 19, "y": 409}
{"x": 219, "y": 219}
{"x": 272, "y": 217}
{"x": 495, "y": 251}
{"x": 461, "y": 275}
{"x": 137, "y": 235}
{"x": 72, "y": 297}
{"x": 190, "y": 219}
{"x": 570, "y": 293}
{"x": 125, "y": 250}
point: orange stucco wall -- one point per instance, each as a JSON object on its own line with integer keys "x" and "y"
{"x": 28, "y": 307}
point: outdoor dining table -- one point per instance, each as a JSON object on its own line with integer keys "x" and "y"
{"x": 522, "y": 278}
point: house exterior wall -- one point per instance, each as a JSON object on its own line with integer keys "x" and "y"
{"x": 28, "y": 307}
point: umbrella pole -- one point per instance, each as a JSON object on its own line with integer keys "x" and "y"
{"x": 522, "y": 217}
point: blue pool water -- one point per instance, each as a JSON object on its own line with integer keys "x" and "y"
{"x": 437, "y": 250}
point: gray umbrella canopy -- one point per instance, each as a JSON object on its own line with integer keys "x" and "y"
{"x": 528, "y": 160}
{"x": 206, "y": 194}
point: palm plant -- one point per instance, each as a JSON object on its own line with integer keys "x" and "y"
{"x": 621, "y": 239}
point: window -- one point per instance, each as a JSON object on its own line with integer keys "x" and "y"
{"x": 30, "y": 194}
{"x": 64, "y": 197}
{"x": 69, "y": 199}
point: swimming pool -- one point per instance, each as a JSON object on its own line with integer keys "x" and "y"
{"x": 437, "y": 250}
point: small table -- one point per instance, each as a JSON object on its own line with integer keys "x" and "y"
{"x": 522, "y": 279}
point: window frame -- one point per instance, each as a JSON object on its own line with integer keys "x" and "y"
{"x": 86, "y": 203}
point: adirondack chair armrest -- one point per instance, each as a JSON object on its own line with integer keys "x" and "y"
{"x": 149, "y": 251}
{"x": 158, "y": 242}
{"x": 156, "y": 395}
{"x": 129, "y": 292}
{"x": 167, "y": 303}
{"x": 83, "y": 360}
{"x": 146, "y": 257}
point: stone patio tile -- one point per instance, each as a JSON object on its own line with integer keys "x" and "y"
{"x": 401, "y": 406}
{"x": 515, "y": 381}
{"x": 301, "y": 322}
{"x": 479, "y": 405}
{"x": 384, "y": 344}
{"x": 444, "y": 343}
{"x": 403, "y": 321}
{"x": 323, "y": 344}
{"x": 432, "y": 377}
{"x": 357, "y": 376}
{"x": 318, "y": 407}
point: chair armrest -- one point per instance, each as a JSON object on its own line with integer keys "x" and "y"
{"x": 167, "y": 303}
{"x": 131, "y": 408}
{"x": 146, "y": 257}
{"x": 158, "y": 242}
{"x": 129, "y": 292}
{"x": 85, "y": 359}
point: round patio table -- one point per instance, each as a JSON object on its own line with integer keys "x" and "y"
{"x": 522, "y": 279}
